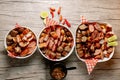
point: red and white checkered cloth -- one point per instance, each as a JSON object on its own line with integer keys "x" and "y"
{"x": 83, "y": 19}
{"x": 91, "y": 63}
{"x": 50, "y": 22}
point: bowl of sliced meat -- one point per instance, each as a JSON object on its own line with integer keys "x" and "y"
{"x": 56, "y": 42}
{"x": 20, "y": 42}
{"x": 95, "y": 40}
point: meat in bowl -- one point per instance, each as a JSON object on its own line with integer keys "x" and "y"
{"x": 56, "y": 43}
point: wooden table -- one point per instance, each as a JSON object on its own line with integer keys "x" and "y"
{"x": 26, "y": 12}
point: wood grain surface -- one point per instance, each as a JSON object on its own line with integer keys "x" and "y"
{"x": 26, "y": 12}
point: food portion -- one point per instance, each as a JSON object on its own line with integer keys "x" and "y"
{"x": 20, "y": 42}
{"x": 55, "y": 42}
{"x": 58, "y": 73}
{"x": 95, "y": 40}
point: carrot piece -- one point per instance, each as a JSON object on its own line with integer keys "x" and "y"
{"x": 67, "y": 23}
{"x": 63, "y": 22}
{"x": 60, "y": 18}
{"x": 52, "y": 9}
{"x": 59, "y": 10}
{"x": 52, "y": 14}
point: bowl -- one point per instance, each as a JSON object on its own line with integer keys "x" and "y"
{"x": 56, "y": 43}
{"x": 91, "y": 41}
{"x": 58, "y": 71}
{"x": 20, "y": 42}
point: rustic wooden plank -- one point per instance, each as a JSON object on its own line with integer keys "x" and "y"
{"x": 26, "y": 12}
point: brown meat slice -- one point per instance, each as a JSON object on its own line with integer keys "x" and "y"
{"x": 67, "y": 48}
{"x": 13, "y": 33}
{"x": 24, "y": 52}
{"x": 60, "y": 49}
{"x": 58, "y": 55}
{"x": 110, "y": 50}
{"x": 82, "y": 27}
{"x": 64, "y": 53}
{"x": 80, "y": 52}
{"x": 98, "y": 27}
{"x": 91, "y": 28}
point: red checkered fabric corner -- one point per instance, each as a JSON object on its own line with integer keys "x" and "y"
{"x": 91, "y": 63}
{"x": 83, "y": 19}
{"x": 51, "y": 22}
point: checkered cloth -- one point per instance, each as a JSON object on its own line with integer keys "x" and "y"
{"x": 91, "y": 63}
{"x": 50, "y": 22}
{"x": 83, "y": 19}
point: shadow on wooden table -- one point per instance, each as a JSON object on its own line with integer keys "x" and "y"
{"x": 13, "y": 62}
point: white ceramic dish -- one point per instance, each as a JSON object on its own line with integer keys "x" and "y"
{"x": 99, "y": 60}
{"x": 19, "y": 57}
{"x": 62, "y": 58}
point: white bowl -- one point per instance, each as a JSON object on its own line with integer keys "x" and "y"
{"x": 99, "y": 60}
{"x": 19, "y": 57}
{"x": 62, "y": 58}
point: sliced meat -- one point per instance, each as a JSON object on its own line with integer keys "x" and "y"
{"x": 64, "y": 53}
{"x": 84, "y": 39}
{"x": 84, "y": 33}
{"x": 87, "y": 55}
{"x": 78, "y": 35}
{"x": 52, "y": 55}
{"x": 24, "y": 52}
{"x": 78, "y": 40}
{"x": 23, "y": 44}
{"x": 67, "y": 48}
{"x": 58, "y": 55}
{"x": 9, "y": 38}
{"x": 42, "y": 45}
{"x": 94, "y": 34}
{"x": 32, "y": 44}
{"x": 13, "y": 33}
{"x": 60, "y": 49}
{"x": 82, "y": 27}
{"x": 108, "y": 29}
{"x": 91, "y": 28}
{"x": 97, "y": 52}
{"x": 18, "y": 49}
{"x": 98, "y": 27}
{"x": 58, "y": 31}
{"x": 78, "y": 45}
{"x": 54, "y": 48}
{"x": 25, "y": 31}
{"x": 80, "y": 52}
{"x": 54, "y": 35}
{"x": 41, "y": 39}
{"x": 18, "y": 38}
{"x": 110, "y": 50}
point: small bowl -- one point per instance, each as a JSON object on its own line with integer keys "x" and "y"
{"x": 99, "y": 60}
{"x": 16, "y": 51}
{"x": 58, "y": 68}
{"x": 61, "y": 58}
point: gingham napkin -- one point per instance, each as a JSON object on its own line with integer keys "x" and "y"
{"x": 50, "y": 22}
{"x": 90, "y": 63}
{"x": 83, "y": 19}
